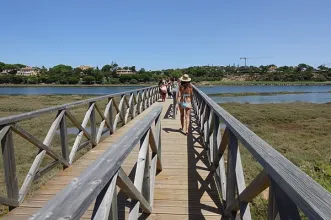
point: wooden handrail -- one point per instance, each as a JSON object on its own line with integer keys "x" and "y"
{"x": 127, "y": 108}
{"x": 97, "y": 182}
{"x": 291, "y": 183}
{"x": 29, "y": 115}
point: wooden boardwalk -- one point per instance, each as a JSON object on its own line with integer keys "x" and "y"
{"x": 183, "y": 190}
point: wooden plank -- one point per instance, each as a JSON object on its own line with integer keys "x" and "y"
{"x": 3, "y": 131}
{"x": 85, "y": 188}
{"x": 158, "y": 141}
{"x": 102, "y": 207}
{"x": 224, "y": 143}
{"x": 45, "y": 169}
{"x": 147, "y": 178}
{"x": 9, "y": 201}
{"x": 64, "y": 138}
{"x": 93, "y": 124}
{"x": 20, "y": 131}
{"x": 312, "y": 199}
{"x": 260, "y": 183}
{"x": 152, "y": 179}
{"x": 272, "y": 206}
{"x": 221, "y": 177}
{"x": 121, "y": 109}
{"x": 79, "y": 126}
{"x": 81, "y": 132}
{"x": 131, "y": 191}
{"x": 110, "y": 115}
{"x": 113, "y": 208}
{"x": 286, "y": 207}
{"x": 9, "y": 166}
{"x": 154, "y": 147}
{"x": 245, "y": 212}
{"x": 105, "y": 114}
{"x": 140, "y": 174}
{"x": 214, "y": 146}
{"x": 103, "y": 122}
{"x": 230, "y": 184}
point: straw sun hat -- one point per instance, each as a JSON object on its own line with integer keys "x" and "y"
{"x": 185, "y": 78}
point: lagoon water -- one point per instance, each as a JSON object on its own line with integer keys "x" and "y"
{"x": 65, "y": 90}
{"x": 317, "y": 94}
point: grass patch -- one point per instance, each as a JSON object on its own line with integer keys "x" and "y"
{"x": 299, "y": 131}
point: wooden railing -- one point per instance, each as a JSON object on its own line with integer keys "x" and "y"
{"x": 130, "y": 104}
{"x": 98, "y": 182}
{"x": 289, "y": 187}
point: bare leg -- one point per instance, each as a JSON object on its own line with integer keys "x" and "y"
{"x": 182, "y": 117}
{"x": 187, "y": 119}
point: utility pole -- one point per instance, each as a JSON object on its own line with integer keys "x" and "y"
{"x": 244, "y": 58}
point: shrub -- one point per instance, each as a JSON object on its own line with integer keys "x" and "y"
{"x": 133, "y": 81}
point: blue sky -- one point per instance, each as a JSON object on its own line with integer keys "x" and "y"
{"x": 165, "y": 34}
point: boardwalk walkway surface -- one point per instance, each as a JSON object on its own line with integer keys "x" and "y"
{"x": 183, "y": 190}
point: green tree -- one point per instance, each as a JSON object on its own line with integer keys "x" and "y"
{"x": 133, "y": 81}
{"x": 32, "y": 80}
{"x": 142, "y": 70}
{"x": 88, "y": 79}
{"x": 106, "y": 68}
{"x": 61, "y": 70}
{"x": 133, "y": 68}
{"x": 73, "y": 80}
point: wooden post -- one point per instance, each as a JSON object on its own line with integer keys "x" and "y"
{"x": 110, "y": 115}
{"x": 64, "y": 139}
{"x": 146, "y": 180}
{"x": 214, "y": 145}
{"x": 121, "y": 109}
{"x": 139, "y": 176}
{"x": 9, "y": 165}
{"x": 287, "y": 209}
{"x": 245, "y": 212}
{"x": 272, "y": 206}
{"x": 158, "y": 141}
{"x": 174, "y": 97}
{"x": 139, "y": 102}
{"x": 104, "y": 202}
{"x": 93, "y": 124}
{"x": 113, "y": 210}
{"x": 230, "y": 185}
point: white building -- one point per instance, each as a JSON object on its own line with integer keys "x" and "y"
{"x": 122, "y": 72}
{"x": 27, "y": 71}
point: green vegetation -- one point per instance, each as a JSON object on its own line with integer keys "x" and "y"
{"x": 225, "y": 75}
{"x": 299, "y": 131}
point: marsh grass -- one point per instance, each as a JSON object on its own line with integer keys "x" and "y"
{"x": 299, "y": 131}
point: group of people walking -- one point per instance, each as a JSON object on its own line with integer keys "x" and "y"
{"x": 166, "y": 87}
{"x": 183, "y": 96}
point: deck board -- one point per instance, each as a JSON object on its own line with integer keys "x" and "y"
{"x": 183, "y": 190}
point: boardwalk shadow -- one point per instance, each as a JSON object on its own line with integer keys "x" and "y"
{"x": 170, "y": 113}
{"x": 200, "y": 180}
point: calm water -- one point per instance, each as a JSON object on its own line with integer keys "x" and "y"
{"x": 65, "y": 90}
{"x": 318, "y": 94}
